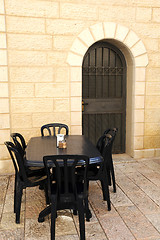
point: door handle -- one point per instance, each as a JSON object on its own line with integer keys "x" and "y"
{"x": 83, "y": 104}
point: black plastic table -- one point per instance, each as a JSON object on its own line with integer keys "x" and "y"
{"x": 38, "y": 147}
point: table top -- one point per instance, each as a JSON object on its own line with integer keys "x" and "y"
{"x": 38, "y": 147}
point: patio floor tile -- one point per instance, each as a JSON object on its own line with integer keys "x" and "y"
{"x": 17, "y": 233}
{"x": 36, "y": 231}
{"x": 115, "y": 228}
{"x": 137, "y": 222}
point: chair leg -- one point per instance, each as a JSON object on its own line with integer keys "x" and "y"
{"x": 109, "y": 176}
{"x": 113, "y": 180}
{"x": 53, "y": 216}
{"x": 113, "y": 177}
{"x": 75, "y": 212}
{"x": 15, "y": 192}
{"x": 81, "y": 219}
{"x": 87, "y": 210}
{"x": 105, "y": 190}
{"x": 44, "y": 213}
{"x": 19, "y": 193}
{"x": 41, "y": 187}
{"x": 46, "y": 193}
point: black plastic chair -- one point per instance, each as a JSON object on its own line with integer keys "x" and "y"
{"x": 111, "y": 133}
{"x": 67, "y": 192}
{"x": 51, "y": 128}
{"x": 22, "y": 180}
{"x": 98, "y": 171}
{"x": 21, "y": 145}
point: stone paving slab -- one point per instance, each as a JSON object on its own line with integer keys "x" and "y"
{"x": 154, "y": 219}
{"x": 36, "y": 231}
{"x": 65, "y": 224}
{"x": 138, "y": 224}
{"x": 8, "y": 221}
{"x": 12, "y": 234}
{"x": 115, "y": 228}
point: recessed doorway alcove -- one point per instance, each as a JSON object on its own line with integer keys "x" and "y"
{"x": 133, "y": 49}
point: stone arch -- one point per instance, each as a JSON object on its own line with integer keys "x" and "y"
{"x": 137, "y": 59}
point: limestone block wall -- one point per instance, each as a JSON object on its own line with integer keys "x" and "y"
{"x": 42, "y": 44}
{"x": 4, "y": 88}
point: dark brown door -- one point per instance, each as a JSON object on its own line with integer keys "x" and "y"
{"x": 104, "y": 93}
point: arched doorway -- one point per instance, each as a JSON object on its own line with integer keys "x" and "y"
{"x": 104, "y": 93}
{"x": 132, "y": 47}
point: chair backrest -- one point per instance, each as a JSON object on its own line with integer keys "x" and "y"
{"x": 100, "y": 143}
{"x": 64, "y": 167}
{"x": 108, "y": 130}
{"x": 19, "y": 141}
{"x": 51, "y": 128}
{"x": 107, "y": 150}
{"x": 112, "y": 133}
{"x": 17, "y": 160}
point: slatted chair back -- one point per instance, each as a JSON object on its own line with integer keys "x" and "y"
{"x": 54, "y": 128}
{"x": 65, "y": 169}
{"x": 19, "y": 141}
{"x": 112, "y": 133}
{"x": 108, "y": 130}
{"x": 101, "y": 140}
{"x": 100, "y": 143}
{"x": 108, "y": 141}
{"x": 17, "y": 160}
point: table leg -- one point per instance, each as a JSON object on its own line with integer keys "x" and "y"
{"x": 44, "y": 213}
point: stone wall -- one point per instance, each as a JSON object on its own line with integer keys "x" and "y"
{"x": 4, "y": 88}
{"x": 41, "y": 43}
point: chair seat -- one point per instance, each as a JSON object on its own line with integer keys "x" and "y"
{"x": 93, "y": 171}
{"x": 69, "y": 195}
{"x": 35, "y": 171}
{"x": 36, "y": 179}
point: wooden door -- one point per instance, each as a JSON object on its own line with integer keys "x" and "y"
{"x": 104, "y": 93}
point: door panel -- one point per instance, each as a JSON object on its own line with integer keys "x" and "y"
{"x": 104, "y": 93}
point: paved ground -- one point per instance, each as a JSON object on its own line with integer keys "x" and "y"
{"x": 135, "y": 210}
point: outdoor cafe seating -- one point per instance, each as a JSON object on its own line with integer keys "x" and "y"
{"x": 62, "y": 189}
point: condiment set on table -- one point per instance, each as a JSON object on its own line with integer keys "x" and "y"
{"x": 61, "y": 141}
